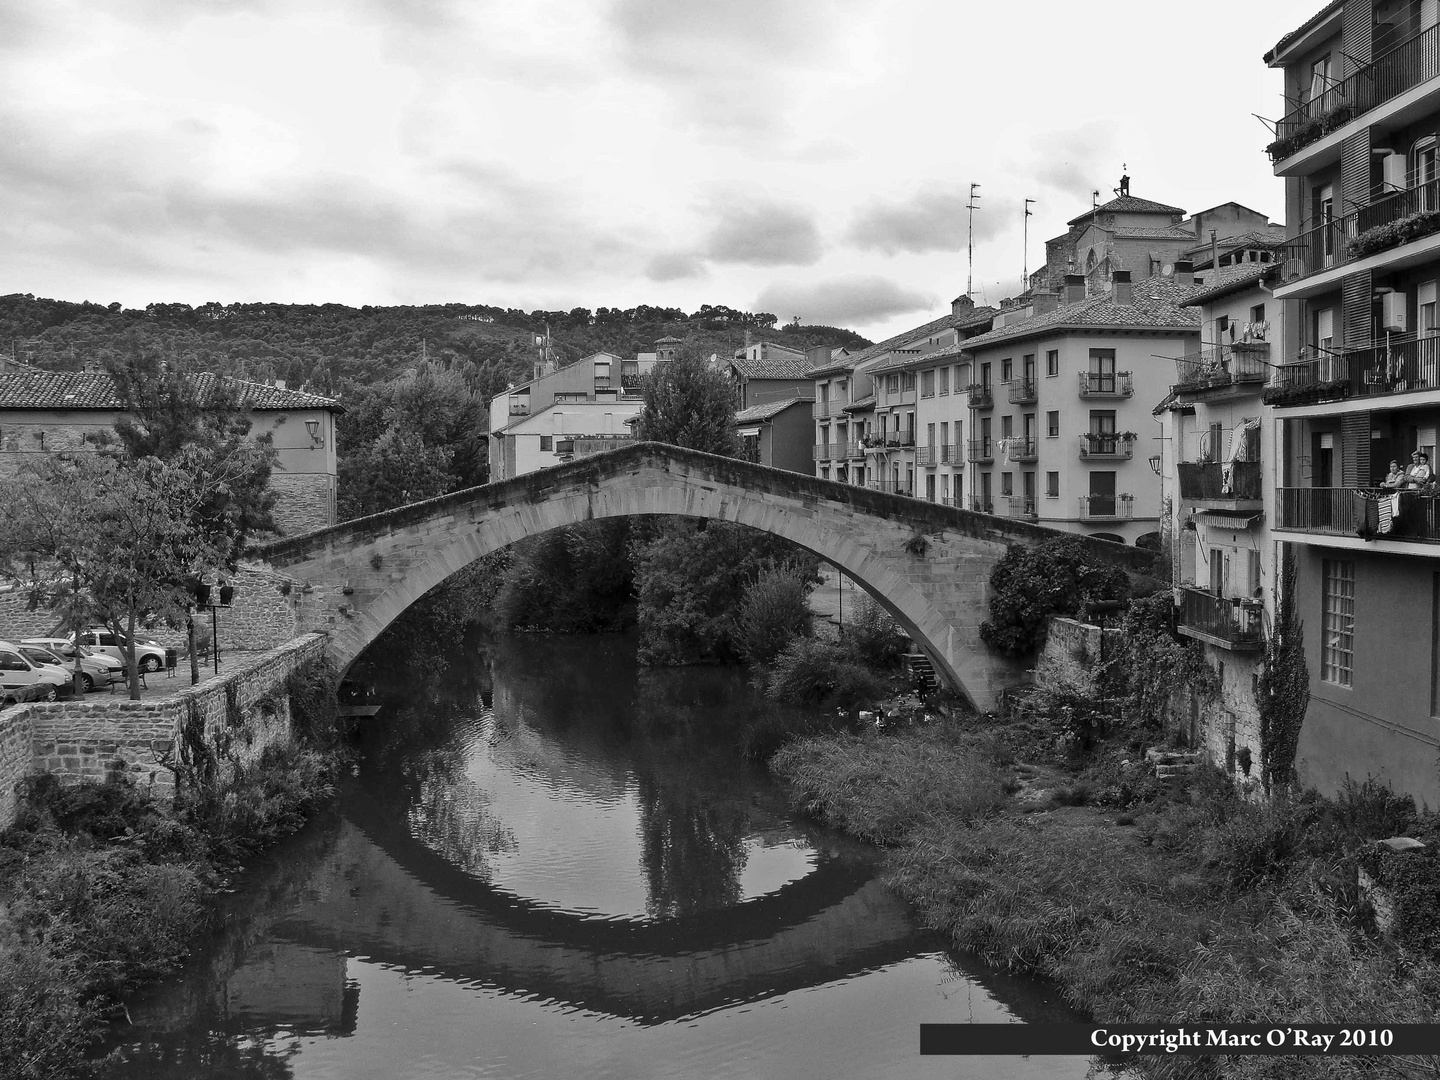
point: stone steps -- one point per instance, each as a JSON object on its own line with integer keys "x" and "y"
{"x": 1172, "y": 764}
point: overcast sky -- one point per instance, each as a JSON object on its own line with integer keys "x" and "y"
{"x": 803, "y": 157}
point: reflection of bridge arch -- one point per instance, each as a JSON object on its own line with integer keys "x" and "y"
{"x": 834, "y": 922}
{"x": 364, "y": 573}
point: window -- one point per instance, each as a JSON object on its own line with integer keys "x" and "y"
{"x": 908, "y": 382}
{"x": 547, "y": 442}
{"x": 1052, "y": 424}
{"x": 1102, "y": 371}
{"x": 1319, "y": 79}
{"x": 1007, "y": 483}
{"x": 985, "y": 375}
{"x": 892, "y": 384}
{"x": 1425, "y": 321}
{"x": 1027, "y": 369}
{"x": 927, "y": 384}
{"x": 945, "y": 433}
{"x": 930, "y": 438}
{"x": 1052, "y": 485}
{"x": 1007, "y": 369}
{"x": 1337, "y": 619}
{"x": 1052, "y": 363}
{"x": 1007, "y": 426}
{"x": 1257, "y": 313}
{"x": 944, "y": 381}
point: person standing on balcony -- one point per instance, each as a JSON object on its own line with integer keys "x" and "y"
{"x": 1395, "y": 478}
{"x": 1419, "y": 474}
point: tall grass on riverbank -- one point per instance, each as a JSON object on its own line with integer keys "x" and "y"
{"x": 1207, "y": 908}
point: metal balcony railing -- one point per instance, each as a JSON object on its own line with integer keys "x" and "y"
{"x": 820, "y": 410}
{"x": 1020, "y": 506}
{"x": 1384, "y": 77}
{"x": 980, "y": 396}
{"x": 519, "y": 408}
{"x": 824, "y": 451}
{"x": 1106, "y": 384}
{"x": 1106, "y": 507}
{"x": 1402, "y": 365}
{"x": 1217, "y": 481}
{"x": 982, "y": 450}
{"x": 1355, "y": 512}
{"x": 904, "y": 438}
{"x": 1222, "y": 366}
{"x": 981, "y": 505}
{"x": 891, "y": 487}
{"x": 1022, "y": 391}
{"x": 1113, "y": 447}
{"x": 950, "y": 454}
{"x": 927, "y": 455}
{"x": 1019, "y": 447}
{"x": 1238, "y": 623}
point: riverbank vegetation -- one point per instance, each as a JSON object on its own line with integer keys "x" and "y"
{"x": 1145, "y": 899}
{"x": 102, "y": 889}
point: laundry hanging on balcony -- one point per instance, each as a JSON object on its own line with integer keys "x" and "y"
{"x": 1239, "y": 443}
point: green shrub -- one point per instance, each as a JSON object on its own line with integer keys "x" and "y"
{"x": 46, "y": 1022}
{"x": 774, "y": 610}
{"x": 872, "y": 637}
{"x": 816, "y": 673}
{"x": 764, "y": 736}
{"x": 1029, "y": 584}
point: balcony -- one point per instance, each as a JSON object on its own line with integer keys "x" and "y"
{"x": 1225, "y": 483}
{"x": 927, "y": 455}
{"x": 891, "y": 487}
{"x": 583, "y": 445}
{"x": 1107, "y": 507}
{"x": 951, "y": 454}
{"x": 981, "y": 505}
{"x": 982, "y": 450}
{"x": 951, "y": 500}
{"x": 823, "y": 409}
{"x": 631, "y": 382}
{"x": 980, "y": 396}
{"x": 602, "y": 382}
{"x": 1385, "y": 77}
{"x": 824, "y": 451}
{"x": 1404, "y": 365}
{"x": 519, "y": 408}
{"x": 1019, "y": 506}
{"x": 854, "y": 449}
{"x": 873, "y": 444}
{"x": 1347, "y": 512}
{"x": 1020, "y": 447}
{"x": 1022, "y": 392}
{"x": 1106, "y": 384}
{"x": 1236, "y": 624}
{"x": 1107, "y": 446}
{"x": 1223, "y": 368}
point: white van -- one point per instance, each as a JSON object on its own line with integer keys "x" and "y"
{"x": 18, "y": 675}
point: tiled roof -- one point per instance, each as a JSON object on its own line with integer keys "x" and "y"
{"x": 773, "y": 367}
{"x": 1231, "y": 279}
{"x": 1170, "y": 232}
{"x": 1128, "y": 204}
{"x": 768, "y": 410}
{"x": 963, "y": 321}
{"x": 96, "y": 390}
{"x": 902, "y": 359}
{"x": 867, "y": 402}
{"x": 1155, "y": 303}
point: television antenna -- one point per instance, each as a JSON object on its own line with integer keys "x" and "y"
{"x": 971, "y": 206}
{"x": 1025, "y": 262}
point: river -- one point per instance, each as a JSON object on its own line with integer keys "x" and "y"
{"x": 552, "y": 863}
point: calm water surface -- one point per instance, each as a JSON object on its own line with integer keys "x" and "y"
{"x": 553, "y": 864}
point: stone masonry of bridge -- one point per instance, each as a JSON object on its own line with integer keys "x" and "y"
{"x": 928, "y": 565}
{"x": 246, "y": 709}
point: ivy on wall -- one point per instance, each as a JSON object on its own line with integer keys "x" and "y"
{"x": 1284, "y": 688}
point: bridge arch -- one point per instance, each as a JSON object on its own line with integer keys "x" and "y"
{"x": 928, "y": 565}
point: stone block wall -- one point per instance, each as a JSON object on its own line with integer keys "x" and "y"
{"x": 18, "y": 621}
{"x": 241, "y": 713}
{"x": 303, "y": 501}
{"x": 1074, "y": 639}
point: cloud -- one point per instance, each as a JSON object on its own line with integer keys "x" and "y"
{"x": 1071, "y": 160}
{"x": 763, "y": 234}
{"x": 934, "y": 219}
{"x": 851, "y": 301}
{"x": 676, "y": 266}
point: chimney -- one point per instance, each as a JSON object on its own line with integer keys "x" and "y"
{"x": 1045, "y": 302}
{"x": 1122, "y": 292}
{"x": 1184, "y": 272}
{"x": 1074, "y": 288}
{"x": 279, "y": 384}
{"x": 961, "y": 305}
{"x": 818, "y": 356}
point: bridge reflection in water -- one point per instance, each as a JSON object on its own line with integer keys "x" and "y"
{"x": 550, "y": 861}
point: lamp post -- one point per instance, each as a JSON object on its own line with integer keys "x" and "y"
{"x": 205, "y": 598}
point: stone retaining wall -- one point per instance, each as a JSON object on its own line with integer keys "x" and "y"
{"x": 240, "y": 712}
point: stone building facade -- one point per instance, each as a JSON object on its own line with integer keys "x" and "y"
{"x": 46, "y": 412}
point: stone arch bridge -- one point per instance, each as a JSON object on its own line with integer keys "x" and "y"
{"x": 928, "y": 565}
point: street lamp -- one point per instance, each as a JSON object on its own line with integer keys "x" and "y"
{"x": 206, "y": 598}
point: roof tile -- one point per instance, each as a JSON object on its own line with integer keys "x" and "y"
{"x": 96, "y": 390}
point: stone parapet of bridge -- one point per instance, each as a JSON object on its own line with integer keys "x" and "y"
{"x": 928, "y": 565}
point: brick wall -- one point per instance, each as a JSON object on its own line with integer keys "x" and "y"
{"x": 242, "y": 712}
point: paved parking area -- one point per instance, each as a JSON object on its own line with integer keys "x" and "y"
{"x": 161, "y": 685}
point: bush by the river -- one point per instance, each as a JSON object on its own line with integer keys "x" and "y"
{"x": 1194, "y": 905}
{"x": 872, "y": 637}
{"x": 774, "y": 611}
{"x": 811, "y": 672}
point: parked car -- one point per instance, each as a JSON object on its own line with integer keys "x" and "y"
{"x": 96, "y": 669}
{"x": 149, "y": 655}
{"x": 18, "y": 676}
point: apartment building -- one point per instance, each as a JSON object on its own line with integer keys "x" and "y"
{"x": 1217, "y": 468}
{"x": 1360, "y": 387}
{"x": 765, "y": 372}
{"x": 569, "y": 412}
{"x": 1060, "y": 394}
{"x": 868, "y": 411}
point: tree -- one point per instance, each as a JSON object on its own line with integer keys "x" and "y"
{"x": 114, "y": 540}
{"x": 1029, "y": 584}
{"x": 689, "y": 403}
